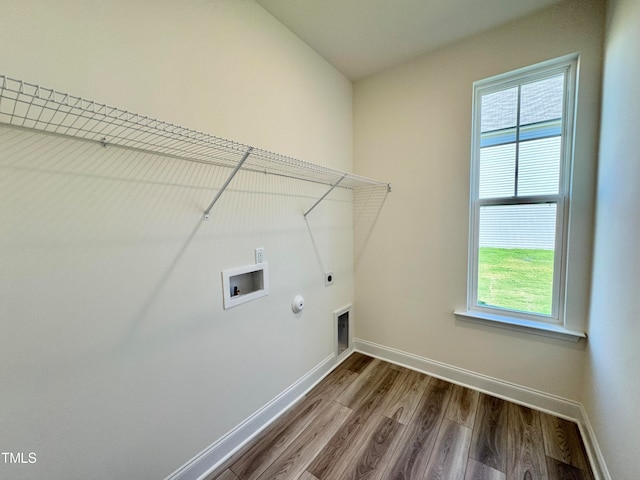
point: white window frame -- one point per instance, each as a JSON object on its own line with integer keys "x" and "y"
{"x": 552, "y": 325}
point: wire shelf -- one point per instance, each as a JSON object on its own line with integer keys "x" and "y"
{"x": 34, "y": 107}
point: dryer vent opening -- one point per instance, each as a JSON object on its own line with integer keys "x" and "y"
{"x": 343, "y": 332}
{"x": 343, "y": 325}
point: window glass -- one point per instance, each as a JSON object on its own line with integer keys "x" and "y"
{"x": 497, "y": 171}
{"x": 516, "y": 257}
{"x": 541, "y": 101}
{"x": 539, "y": 167}
{"x": 499, "y": 110}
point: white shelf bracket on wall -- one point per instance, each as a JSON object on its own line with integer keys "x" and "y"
{"x": 30, "y": 106}
{"x": 324, "y": 196}
{"x": 228, "y": 181}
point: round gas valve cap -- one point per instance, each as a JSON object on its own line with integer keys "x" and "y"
{"x": 298, "y": 304}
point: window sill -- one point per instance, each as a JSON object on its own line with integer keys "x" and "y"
{"x": 527, "y": 326}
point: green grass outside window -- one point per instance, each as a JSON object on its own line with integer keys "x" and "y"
{"x": 516, "y": 279}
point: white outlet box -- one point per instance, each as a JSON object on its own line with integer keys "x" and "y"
{"x": 260, "y": 255}
{"x": 240, "y": 285}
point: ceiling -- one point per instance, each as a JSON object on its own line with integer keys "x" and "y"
{"x": 361, "y": 37}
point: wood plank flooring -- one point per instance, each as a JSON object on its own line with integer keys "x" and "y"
{"x": 372, "y": 420}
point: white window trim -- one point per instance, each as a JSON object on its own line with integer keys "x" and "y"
{"x": 552, "y": 325}
{"x": 521, "y": 325}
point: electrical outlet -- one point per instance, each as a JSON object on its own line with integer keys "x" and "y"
{"x": 328, "y": 279}
{"x": 260, "y": 255}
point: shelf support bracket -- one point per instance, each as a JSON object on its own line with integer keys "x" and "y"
{"x": 227, "y": 182}
{"x": 323, "y": 196}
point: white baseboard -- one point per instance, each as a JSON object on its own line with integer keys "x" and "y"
{"x": 493, "y": 386}
{"x": 596, "y": 458}
{"x": 512, "y": 392}
{"x": 215, "y": 454}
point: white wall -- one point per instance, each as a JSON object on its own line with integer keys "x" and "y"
{"x": 412, "y": 127}
{"x": 612, "y": 390}
{"x": 116, "y": 357}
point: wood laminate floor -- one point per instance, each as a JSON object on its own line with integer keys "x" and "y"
{"x": 369, "y": 419}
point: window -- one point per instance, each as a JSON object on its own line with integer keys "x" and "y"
{"x": 520, "y": 179}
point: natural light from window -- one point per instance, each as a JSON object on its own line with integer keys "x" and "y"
{"x": 519, "y": 156}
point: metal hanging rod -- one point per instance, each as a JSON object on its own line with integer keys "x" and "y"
{"x": 43, "y": 109}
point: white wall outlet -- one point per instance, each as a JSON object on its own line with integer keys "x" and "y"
{"x": 260, "y": 255}
{"x": 328, "y": 279}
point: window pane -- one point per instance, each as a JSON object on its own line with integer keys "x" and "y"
{"x": 542, "y": 100}
{"x": 499, "y": 110}
{"x": 539, "y": 167}
{"x": 498, "y": 171}
{"x": 516, "y": 257}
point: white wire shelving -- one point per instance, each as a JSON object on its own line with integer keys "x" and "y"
{"x": 44, "y": 109}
